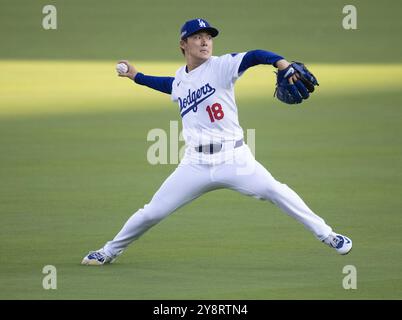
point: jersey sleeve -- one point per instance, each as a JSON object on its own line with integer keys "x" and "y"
{"x": 175, "y": 83}
{"x": 228, "y": 68}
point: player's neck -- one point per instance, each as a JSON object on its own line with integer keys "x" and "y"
{"x": 194, "y": 63}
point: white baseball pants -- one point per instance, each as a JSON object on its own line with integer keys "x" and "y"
{"x": 191, "y": 180}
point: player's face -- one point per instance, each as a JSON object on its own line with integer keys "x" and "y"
{"x": 199, "y": 46}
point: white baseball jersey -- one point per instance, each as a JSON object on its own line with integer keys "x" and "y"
{"x": 207, "y": 101}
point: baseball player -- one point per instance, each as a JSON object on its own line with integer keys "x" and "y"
{"x": 216, "y": 155}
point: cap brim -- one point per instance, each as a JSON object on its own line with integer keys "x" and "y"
{"x": 212, "y": 31}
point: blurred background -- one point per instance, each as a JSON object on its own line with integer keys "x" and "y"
{"x": 149, "y": 29}
{"x": 73, "y": 151}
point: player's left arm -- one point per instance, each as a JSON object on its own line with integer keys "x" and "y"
{"x": 294, "y": 81}
{"x": 256, "y": 57}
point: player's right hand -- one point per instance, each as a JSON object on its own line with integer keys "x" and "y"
{"x": 131, "y": 73}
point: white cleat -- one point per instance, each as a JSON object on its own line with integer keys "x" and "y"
{"x": 340, "y": 243}
{"x": 97, "y": 258}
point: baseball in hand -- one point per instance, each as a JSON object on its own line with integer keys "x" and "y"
{"x": 121, "y": 68}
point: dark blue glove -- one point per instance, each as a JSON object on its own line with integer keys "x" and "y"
{"x": 301, "y": 89}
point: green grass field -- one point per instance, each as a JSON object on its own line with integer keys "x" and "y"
{"x": 73, "y": 163}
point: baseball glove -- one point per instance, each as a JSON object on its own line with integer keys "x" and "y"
{"x": 301, "y": 89}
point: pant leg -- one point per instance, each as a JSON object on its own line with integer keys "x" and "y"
{"x": 185, "y": 184}
{"x": 249, "y": 177}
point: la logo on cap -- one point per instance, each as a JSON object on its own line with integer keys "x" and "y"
{"x": 201, "y": 23}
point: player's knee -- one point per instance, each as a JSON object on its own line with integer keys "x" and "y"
{"x": 150, "y": 218}
{"x": 153, "y": 213}
{"x": 274, "y": 190}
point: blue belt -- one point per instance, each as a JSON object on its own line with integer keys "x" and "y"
{"x": 215, "y": 147}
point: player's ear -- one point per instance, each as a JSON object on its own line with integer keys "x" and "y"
{"x": 183, "y": 43}
{"x": 183, "y": 46}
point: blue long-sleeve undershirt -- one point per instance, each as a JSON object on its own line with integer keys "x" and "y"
{"x": 250, "y": 59}
{"x": 163, "y": 84}
{"x": 256, "y": 57}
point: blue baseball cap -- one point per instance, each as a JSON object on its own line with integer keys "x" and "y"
{"x": 196, "y": 25}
